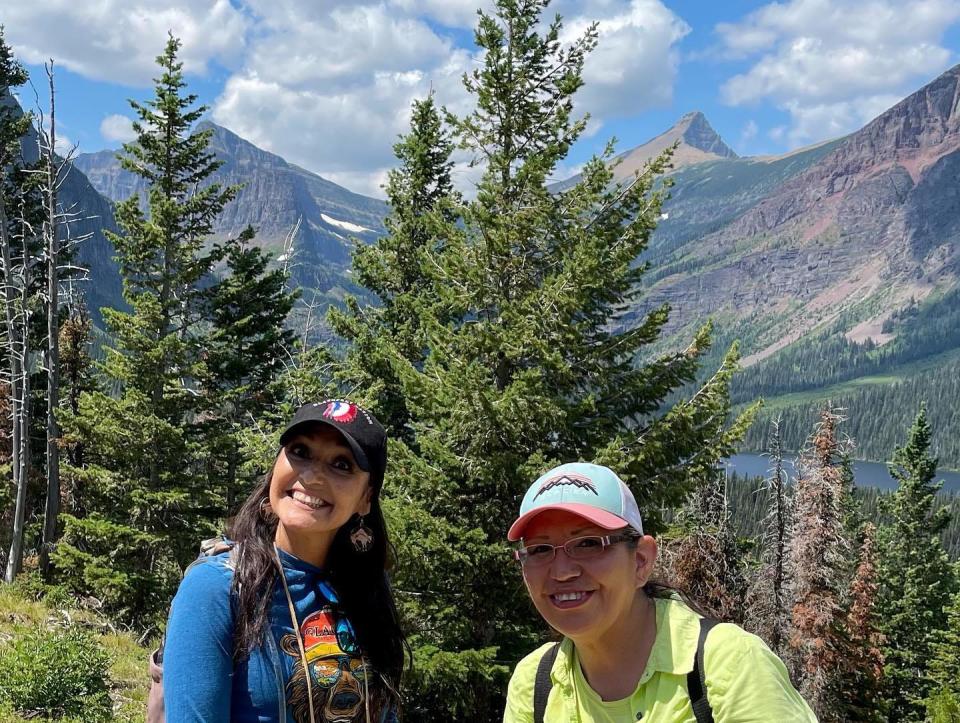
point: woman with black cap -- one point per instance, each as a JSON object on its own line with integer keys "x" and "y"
{"x": 297, "y": 621}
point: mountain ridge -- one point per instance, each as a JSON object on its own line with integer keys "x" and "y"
{"x": 277, "y": 198}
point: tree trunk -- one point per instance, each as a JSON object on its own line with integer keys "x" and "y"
{"x": 53, "y": 346}
{"x": 20, "y": 354}
{"x": 13, "y": 353}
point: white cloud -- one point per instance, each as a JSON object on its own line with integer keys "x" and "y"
{"x": 118, "y": 40}
{"x": 635, "y": 63}
{"x": 328, "y": 86}
{"x": 63, "y": 145}
{"x": 117, "y": 128}
{"x": 452, "y": 13}
{"x": 833, "y": 65}
{"x": 813, "y": 122}
{"x": 749, "y": 132}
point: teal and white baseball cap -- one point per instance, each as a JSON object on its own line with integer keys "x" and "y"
{"x": 590, "y": 491}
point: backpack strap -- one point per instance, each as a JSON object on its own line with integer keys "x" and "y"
{"x": 543, "y": 683}
{"x": 208, "y": 548}
{"x": 696, "y": 678}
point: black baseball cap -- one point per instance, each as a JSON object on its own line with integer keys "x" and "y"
{"x": 365, "y": 435}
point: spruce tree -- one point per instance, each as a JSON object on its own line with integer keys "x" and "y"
{"x": 944, "y": 669}
{"x": 145, "y": 498}
{"x": 531, "y": 349}
{"x": 916, "y": 580}
{"x": 422, "y": 207}
{"x": 245, "y": 352}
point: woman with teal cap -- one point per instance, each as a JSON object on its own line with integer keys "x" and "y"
{"x": 632, "y": 650}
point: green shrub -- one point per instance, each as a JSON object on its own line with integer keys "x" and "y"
{"x": 943, "y": 707}
{"x": 32, "y": 587}
{"x": 56, "y": 673}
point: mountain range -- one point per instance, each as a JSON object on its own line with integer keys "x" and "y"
{"x": 300, "y": 216}
{"x": 857, "y": 227}
{"x": 849, "y": 242}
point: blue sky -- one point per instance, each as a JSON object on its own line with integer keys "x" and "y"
{"x": 328, "y": 85}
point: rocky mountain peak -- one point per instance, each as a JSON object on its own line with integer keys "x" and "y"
{"x": 695, "y": 130}
{"x": 698, "y": 142}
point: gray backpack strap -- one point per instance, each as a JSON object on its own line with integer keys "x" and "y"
{"x": 543, "y": 683}
{"x": 155, "y": 711}
{"x": 696, "y": 678}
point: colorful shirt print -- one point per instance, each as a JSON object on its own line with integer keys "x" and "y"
{"x": 202, "y": 683}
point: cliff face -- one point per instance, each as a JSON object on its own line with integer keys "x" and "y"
{"x": 875, "y": 216}
{"x": 275, "y": 195}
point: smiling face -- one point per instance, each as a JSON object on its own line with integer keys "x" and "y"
{"x": 315, "y": 489}
{"x": 585, "y": 599}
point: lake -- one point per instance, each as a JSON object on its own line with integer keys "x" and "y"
{"x": 865, "y": 474}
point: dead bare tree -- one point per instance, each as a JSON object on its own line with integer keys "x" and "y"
{"x": 58, "y": 242}
{"x": 768, "y": 607}
{"x": 706, "y": 562}
{"x": 13, "y": 125}
{"x": 17, "y": 281}
{"x": 818, "y": 552}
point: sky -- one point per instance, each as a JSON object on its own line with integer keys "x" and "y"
{"x": 327, "y": 84}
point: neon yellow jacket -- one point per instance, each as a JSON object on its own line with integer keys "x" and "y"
{"x": 745, "y": 681}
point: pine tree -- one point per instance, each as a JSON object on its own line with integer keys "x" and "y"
{"x": 768, "y": 605}
{"x": 145, "y": 498}
{"x": 244, "y": 353}
{"x": 530, "y": 352}
{"x": 944, "y": 669}
{"x": 818, "y": 559}
{"x": 916, "y": 580}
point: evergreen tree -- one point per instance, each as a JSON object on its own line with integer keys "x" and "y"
{"x": 244, "y": 353}
{"x": 422, "y": 207}
{"x": 768, "y": 602}
{"x": 916, "y": 580}
{"x": 146, "y": 503}
{"x": 530, "y": 350}
{"x": 944, "y": 670}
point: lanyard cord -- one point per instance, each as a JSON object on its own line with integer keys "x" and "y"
{"x": 296, "y": 632}
{"x": 303, "y": 652}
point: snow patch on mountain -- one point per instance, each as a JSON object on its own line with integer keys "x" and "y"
{"x": 345, "y": 225}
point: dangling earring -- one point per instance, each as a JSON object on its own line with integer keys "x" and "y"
{"x": 266, "y": 511}
{"x": 361, "y": 536}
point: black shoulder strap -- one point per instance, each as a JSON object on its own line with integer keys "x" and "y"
{"x": 696, "y": 678}
{"x": 543, "y": 683}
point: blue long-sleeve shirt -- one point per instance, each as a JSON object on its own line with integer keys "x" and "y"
{"x": 201, "y": 682}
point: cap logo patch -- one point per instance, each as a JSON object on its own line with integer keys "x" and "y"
{"x": 342, "y": 412}
{"x": 577, "y": 480}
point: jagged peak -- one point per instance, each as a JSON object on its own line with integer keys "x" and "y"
{"x": 695, "y": 130}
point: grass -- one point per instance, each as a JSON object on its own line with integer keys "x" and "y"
{"x": 128, "y": 668}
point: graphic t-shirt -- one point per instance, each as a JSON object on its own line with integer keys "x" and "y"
{"x": 201, "y": 683}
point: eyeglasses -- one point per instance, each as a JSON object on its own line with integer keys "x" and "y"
{"x": 579, "y": 548}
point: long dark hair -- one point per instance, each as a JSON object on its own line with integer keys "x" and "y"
{"x": 359, "y": 578}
